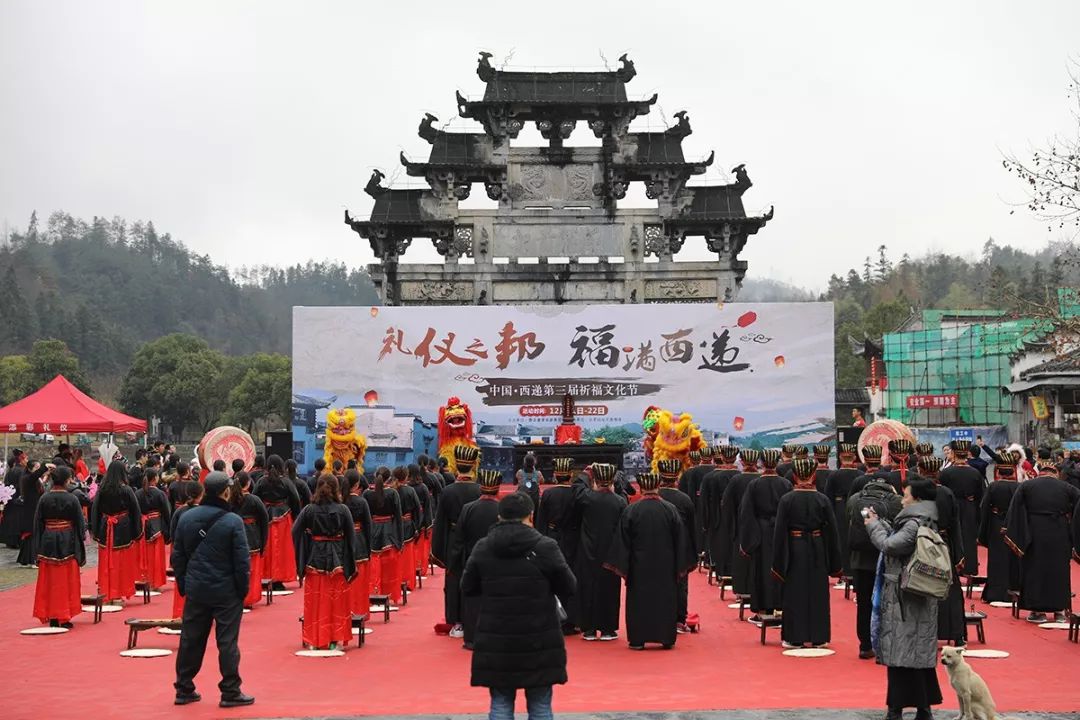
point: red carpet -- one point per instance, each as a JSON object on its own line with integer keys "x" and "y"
{"x": 411, "y": 670}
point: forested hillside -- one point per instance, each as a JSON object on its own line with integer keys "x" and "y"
{"x": 106, "y": 286}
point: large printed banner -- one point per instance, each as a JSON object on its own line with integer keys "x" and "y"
{"x": 746, "y": 372}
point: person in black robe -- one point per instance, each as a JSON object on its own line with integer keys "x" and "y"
{"x": 59, "y": 527}
{"x": 710, "y": 509}
{"x": 431, "y": 478}
{"x": 837, "y": 490}
{"x": 414, "y": 508}
{"x": 325, "y": 541}
{"x": 952, "y": 626}
{"x": 1038, "y": 531}
{"x": 757, "y": 531}
{"x": 649, "y": 551}
{"x": 741, "y": 568}
{"x": 555, "y": 518}
{"x": 787, "y": 455}
{"x": 156, "y": 512}
{"x": 387, "y": 532}
{"x": 669, "y": 478}
{"x": 360, "y": 587}
{"x": 282, "y": 502}
{"x": 9, "y": 523}
{"x": 256, "y": 519}
{"x": 477, "y": 517}
{"x": 453, "y": 499}
{"x": 690, "y": 485}
{"x": 806, "y": 552}
{"x": 968, "y": 485}
{"x": 30, "y": 491}
{"x": 823, "y": 472}
{"x": 882, "y": 497}
{"x": 597, "y": 512}
{"x": 444, "y": 469}
{"x": 1002, "y": 565}
{"x": 116, "y": 524}
{"x": 303, "y": 491}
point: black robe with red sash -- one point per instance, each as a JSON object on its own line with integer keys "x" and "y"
{"x": 806, "y": 552}
{"x": 1038, "y": 530}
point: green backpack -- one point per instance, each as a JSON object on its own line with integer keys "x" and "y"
{"x": 929, "y": 571}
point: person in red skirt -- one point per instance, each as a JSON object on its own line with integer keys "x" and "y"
{"x": 156, "y": 513}
{"x": 325, "y": 541}
{"x": 256, "y": 526}
{"x": 192, "y": 495}
{"x": 412, "y": 517}
{"x": 117, "y": 526}
{"x": 58, "y": 541}
{"x": 283, "y": 506}
{"x": 360, "y": 587}
{"x": 386, "y": 534}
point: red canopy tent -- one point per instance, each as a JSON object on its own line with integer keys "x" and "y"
{"x": 60, "y": 407}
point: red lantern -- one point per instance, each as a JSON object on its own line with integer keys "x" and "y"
{"x": 371, "y": 398}
{"x": 739, "y": 422}
{"x": 779, "y": 360}
{"x": 873, "y": 376}
{"x": 747, "y": 319}
{"x": 374, "y": 312}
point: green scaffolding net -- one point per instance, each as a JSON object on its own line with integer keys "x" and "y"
{"x": 971, "y": 362}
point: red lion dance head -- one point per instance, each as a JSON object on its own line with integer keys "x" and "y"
{"x": 455, "y": 422}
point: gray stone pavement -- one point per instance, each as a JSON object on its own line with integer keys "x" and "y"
{"x": 811, "y": 714}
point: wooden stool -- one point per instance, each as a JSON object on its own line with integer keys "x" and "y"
{"x": 268, "y": 588}
{"x": 976, "y": 617}
{"x": 769, "y": 621}
{"x": 744, "y": 602}
{"x": 136, "y": 626}
{"x": 358, "y": 622}
{"x": 974, "y": 580}
{"x": 1074, "y": 627}
{"x": 849, "y": 585}
{"x": 383, "y": 600}
{"x": 143, "y": 586}
{"x": 97, "y": 601}
{"x": 724, "y": 581}
{"x": 404, "y": 593}
{"x": 1014, "y": 598}
{"x": 419, "y": 579}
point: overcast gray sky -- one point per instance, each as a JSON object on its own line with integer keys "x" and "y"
{"x": 245, "y": 128}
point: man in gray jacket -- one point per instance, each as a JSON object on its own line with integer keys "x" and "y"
{"x": 212, "y": 565}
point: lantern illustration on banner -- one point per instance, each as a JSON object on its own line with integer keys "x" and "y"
{"x": 779, "y": 361}
{"x": 371, "y": 398}
{"x": 747, "y": 319}
{"x": 739, "y": 422}
{"x": 374, "y": 312}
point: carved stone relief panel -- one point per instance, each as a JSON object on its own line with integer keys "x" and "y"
{"x": 436, "y": 292}
{"x": 680, "y": 289}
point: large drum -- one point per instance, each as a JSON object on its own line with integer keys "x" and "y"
{"x": 880, "y": 433}
{"x": 226, "y": 443}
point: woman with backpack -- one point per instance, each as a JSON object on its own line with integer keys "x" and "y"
{"x": 908, "y": 635}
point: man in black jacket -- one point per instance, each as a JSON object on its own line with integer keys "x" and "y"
{"x": 212, "y": 565}
{"x": 518, "y": 573}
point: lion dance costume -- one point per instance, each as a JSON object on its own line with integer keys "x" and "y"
{"x": 455, "y": 428}
{"x": 670, "y": 437}
{"x": 342, "y": 441}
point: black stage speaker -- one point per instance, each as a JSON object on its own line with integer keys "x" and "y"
{"x": 279, "y": 442}
{"x": 848, "y": 434}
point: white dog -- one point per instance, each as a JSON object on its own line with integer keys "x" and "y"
{"x": 971, "y": 690}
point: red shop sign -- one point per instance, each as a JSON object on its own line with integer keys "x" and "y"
{"x": 923, "y": 402}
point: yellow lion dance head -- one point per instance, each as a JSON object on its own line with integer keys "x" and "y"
{"x": 342, "y": 441}
{"x": 676, "y": 436}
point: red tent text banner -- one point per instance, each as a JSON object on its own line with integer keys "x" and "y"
{"x": 60, "y": 407}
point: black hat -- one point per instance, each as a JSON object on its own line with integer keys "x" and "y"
{"x": 770, "y": 458}
{"x": 924, "y": 448}
{"x": 930, "y": 465}
{"x": 750, "y": 458}
{"x": 787, "y": 450}
{"x": 847, "y": 449}
{"x": 803, "y": 468}
{"x": 217, "y": 483}
{"x": 695, "y": 454}
{"x": 801, "y": 451}
{"x": 1008, "y": 458}
{"x": 706, "y": 451}
{"x": 563, "y": 465}
{"x": 960, "y": 447}
{"x": 822, "y": 452}
{"x": 668, "y": 469}
{"x": 901, "y": 447}
{"x": 728, "y": 452}
{"x": 871, "y": 454}
{"x": 603, "y": 473}
{"x": 466, "y": 456}
{"x": 648, "y": 481}
{"x": 489, "y": 480}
